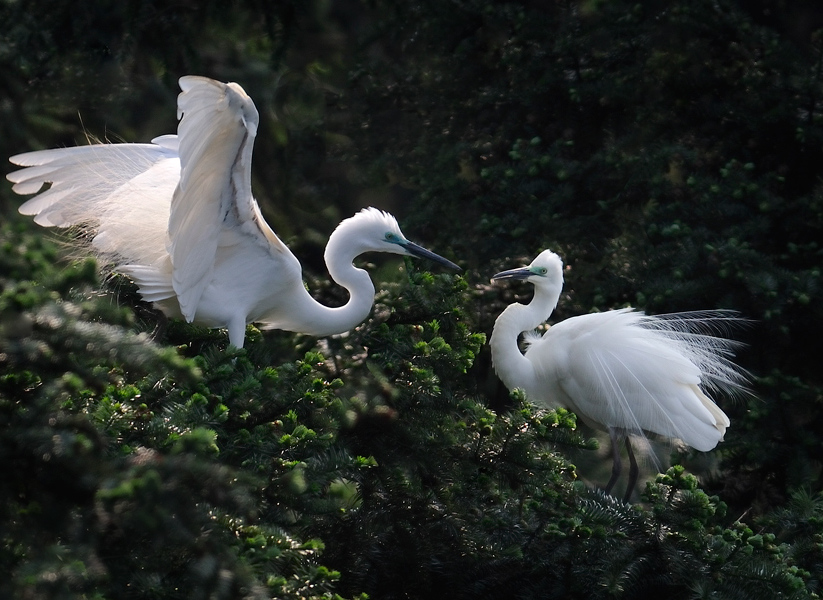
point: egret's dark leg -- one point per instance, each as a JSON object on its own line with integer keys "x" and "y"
{"x": 634, "y": 471}
{"x": 617, "y": 467}
{"x": 160, "y": 327}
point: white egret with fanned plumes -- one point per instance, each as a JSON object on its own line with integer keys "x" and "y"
{"x": 621, "y": 371}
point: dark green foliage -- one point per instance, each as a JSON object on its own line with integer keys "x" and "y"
{"x": 147, "y": 474}
{"x": 111, "y": 483}
{"x": 669, "y": 152}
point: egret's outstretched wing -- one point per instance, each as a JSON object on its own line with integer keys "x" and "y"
{"x": 217, "y": 130}
{"x": 106, "y": 188}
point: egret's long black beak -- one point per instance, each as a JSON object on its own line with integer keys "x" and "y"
{"x": 517, "y": 274}
{"x": 421, "y": 252}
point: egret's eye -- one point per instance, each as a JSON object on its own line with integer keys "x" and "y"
{"x": 391, "y": 237}
{"x": 541, "y": 270}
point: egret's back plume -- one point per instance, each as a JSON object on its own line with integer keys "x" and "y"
{"x": 178, "y": 217}
{"x": 620, "y": 370}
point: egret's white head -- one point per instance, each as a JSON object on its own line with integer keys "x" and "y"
{"x": 544, "y": 271}
{"x": 372, "y": 230}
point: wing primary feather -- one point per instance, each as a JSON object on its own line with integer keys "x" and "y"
{"x": 216, "y": 134}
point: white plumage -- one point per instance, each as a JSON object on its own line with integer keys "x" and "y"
{"x": 621, "y": 370}
{"x": 178, "y": 217}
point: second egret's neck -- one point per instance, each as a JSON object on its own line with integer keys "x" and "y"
{"x": 510, "y": 364}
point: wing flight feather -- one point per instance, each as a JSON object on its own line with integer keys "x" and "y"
{"x": 216, "y": 133}
{"x": 105, "y": 189}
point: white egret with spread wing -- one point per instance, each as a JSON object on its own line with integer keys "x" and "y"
{"x": 621, "y": 370}
{"x": 178, "y": 217}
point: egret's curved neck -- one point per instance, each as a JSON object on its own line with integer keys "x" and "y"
{"x": 510, "y": 364}
{"x": 322, "y": 320}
